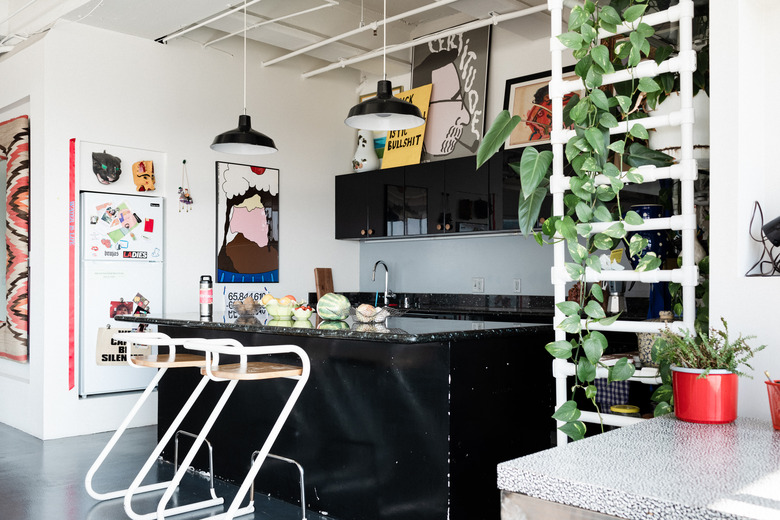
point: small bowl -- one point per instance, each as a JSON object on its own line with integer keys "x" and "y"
{"x": 279, "y": 311}
{"x": 301, "y": 314}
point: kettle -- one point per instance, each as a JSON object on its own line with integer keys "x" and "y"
{"x": 616, "y": 301}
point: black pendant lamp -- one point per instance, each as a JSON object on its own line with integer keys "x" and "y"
{"x": 243, "y": 140}
{"x": 384, "y": 112}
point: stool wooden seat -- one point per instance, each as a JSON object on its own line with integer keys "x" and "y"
{"x": 245, "y": 370}
{"x": 163, "y": 361}
{"x": 253, "y": 371}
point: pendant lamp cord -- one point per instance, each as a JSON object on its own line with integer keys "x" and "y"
{"x": 384, "y": 43}
{"x": 244, "y": 57}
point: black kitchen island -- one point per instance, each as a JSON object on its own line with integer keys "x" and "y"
{"x": 402, "y": 420}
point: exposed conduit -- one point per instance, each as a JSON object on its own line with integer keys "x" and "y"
{"x": 166, "y": 39}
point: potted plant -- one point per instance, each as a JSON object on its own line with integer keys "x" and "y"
{"x": 592, "y": 152}
{"x": 703, "y": 386}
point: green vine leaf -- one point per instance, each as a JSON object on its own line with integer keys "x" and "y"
{"x": 528, "y": 210}
{"x": 610, "y": 170}
{"x": 599, "y": 98}
{"x": 569, "y": 308}
{"x": 499, "y": 132}
{"x": 648, "y": 85}
{"x": 638, "y": 131}
{"x": 577, "y": 251}
{"x": 662, "y": 394}
{"x": 600, "y": 56}
{"x": 574, "y": 430}
{"x": 610, "y": 15}
{"x": 607, "y": 120}
{"x": 616, "y": 230}
{"x": 634, "y": 12}
{"x": 593, "y": 79}
{"x": 636, "y": 244}
{"x": 602, "y": 214}
{"x": 584, "y": 212}
{"x": 596, "y": 292}
{"x": 567, "y": 228}
{"x": 577, "y": 17}
{"x": 591, "y": 391}
{"x": 621, "y": 370}
{"x": 533, "y": 168}
{"x": 645, "y": 31}
{"x": 633, "y": 176}
{"x": 567, "y": 412}
{"x": 594, "y": 310}
{"x": 586, "y": 371}
{"x": 584, "y": 230}
{"x": 662, "y": 409}
{"x": 609, "y": 320}
{"x": 571, "y": 39}
{"x": 633, "y": 218}
{"x": 559, "y": 349}
{"x": 624, "y": 102}
{"x": 588, "y": 33}
{"x": 596, "y": 140}
{"x": 571, "y": 325}
{"x": 594, "y": 263}
{"x": 575, "y": 270}
{"x": 648, "y": 262}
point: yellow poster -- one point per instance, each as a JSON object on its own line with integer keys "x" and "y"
{"x": 404, "y": 147}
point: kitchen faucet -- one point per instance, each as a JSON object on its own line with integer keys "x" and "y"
{"x": 388, "y": 292}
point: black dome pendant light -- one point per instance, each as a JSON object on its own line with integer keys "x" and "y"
{"x": 243, "y": 140}
{"x": 384, "y": 112}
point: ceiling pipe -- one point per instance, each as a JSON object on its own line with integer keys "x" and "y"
{"x": 170, "y": 37}
{"x": 329, "y": 3}
{"x": 493, "y": 20}
{"x": 25, "y": 6}
{"x": 373, "y": 26}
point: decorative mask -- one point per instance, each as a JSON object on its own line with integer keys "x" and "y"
{"x": 107, "y": 168}
{"x": 143, "y": 175}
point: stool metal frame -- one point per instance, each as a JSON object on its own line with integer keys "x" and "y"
{"x": 233, "y": 373}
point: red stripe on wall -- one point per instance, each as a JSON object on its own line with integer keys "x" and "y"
{"x": 72, "y": 268}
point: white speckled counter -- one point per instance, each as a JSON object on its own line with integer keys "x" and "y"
{"x": 662, "y": 469}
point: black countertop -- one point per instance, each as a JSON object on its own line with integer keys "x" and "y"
{"x": 394, "y": 330}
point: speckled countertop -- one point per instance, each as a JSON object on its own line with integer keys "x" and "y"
{"x": 393, "y": 330}
{"x": 662, "y": 468}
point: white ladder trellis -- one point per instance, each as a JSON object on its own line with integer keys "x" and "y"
{"x": 685, "y": 171}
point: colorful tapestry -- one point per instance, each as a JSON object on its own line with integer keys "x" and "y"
{"x": 15, "y": 150}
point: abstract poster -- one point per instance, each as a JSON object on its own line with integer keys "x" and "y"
{"x": 247, "y": 223}
{"x": 457, "y": 67}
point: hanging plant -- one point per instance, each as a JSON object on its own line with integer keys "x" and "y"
{"x": 591, "y": 152}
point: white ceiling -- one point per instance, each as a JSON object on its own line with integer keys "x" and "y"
{"x": 158, "y": 19}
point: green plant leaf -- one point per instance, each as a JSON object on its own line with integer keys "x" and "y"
{"x": 634, "y": 12}
{"x": 648, "y": 262}
{"x": 595, "y": 139}
{"x": 633, "y": 218}
{"x": 662, "y": 409}
{"x": 648, "y": 85}
{"x": 645, "y": 30}
{"x": 638, "y": 131}
{"x": 621, "y": 370}
{"x": 662, "y": 394}
{"x": 569, "y": 308}
{"x": 637, "y": 40}
{"x": 609, "y": 320}
{"x": 624, "y": 102}
{"x": 559, "y": 349}
{"x": 616, "y": 230}
{"x": 528, "y": 210}
{"x": 577, "y": 251}
{"x": 661, "y": 53}
{"x": 584, "y": 212}
{"x": 586, "y": 371}
{"x": 584, "y": 230}
{"x": 588, "y": 33}
{"x": 641, "y": 155}
{"x": 634, "y": 56}
{"x": 591, "y": 391}
{"x": 590, "y": 164}
{"x": 579, "y": 113}
{"x": 575, "y": 430}
{"x": 607, "y": 120}
{"x": 600, "y": 56}
{"x": 592, "y": 347}
{"x": 577, "y": 17}
{"x": 581, "y": 187}
{"x": 617, "y": 147}
{"x": 602, "y": 242}
{"x": 594, "y": 310}
{"x": 636, "y": 244}
{"x": 567, "y": 412}
{"x": 567, "y": 228}
{"x": 596, "y": 292}
{"x": 594, "y": 263}
{"x": 633, "y": 176}
{"x": 534, "y": 166}
{"x": 571, "y": 103}
{"x": 539, "y": 238}
{"x": 593, "y": 79}
{"x": 575, "y": 270}
{"x": 602, "y": 214}
{"x": 599, "y": 98}
{"x": 571, "y": 39}
{"x": 499, "y": 132}
{"x": 610, "y": 170}
{"x": 610, "y": 15}
{"x": 571, "y": 325}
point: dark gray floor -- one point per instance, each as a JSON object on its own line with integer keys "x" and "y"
{"x": 44, "y": 480}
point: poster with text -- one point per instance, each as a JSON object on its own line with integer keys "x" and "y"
{"x": 403, "y": 147}
{"x": 247, "y": 223}
{"x": 457, "y": 67}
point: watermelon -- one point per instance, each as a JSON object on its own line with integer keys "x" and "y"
{"x": 333, "y": 325}
{"x": 333, "y": 306}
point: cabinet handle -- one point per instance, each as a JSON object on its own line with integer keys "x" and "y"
{"x": 438, "y": 227}
{"x": 370, "y": 232}
{"x": 447, "y": 227}
{"x": 362, "y": 232}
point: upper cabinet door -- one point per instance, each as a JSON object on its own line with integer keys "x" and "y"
{"x": 370, "y": 204}
{"x": 467, "y": 196}
{"x": 424, "y": 198}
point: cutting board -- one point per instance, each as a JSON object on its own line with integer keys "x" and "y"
{"x": 323, "y": 281}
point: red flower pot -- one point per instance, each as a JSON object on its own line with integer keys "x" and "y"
{"x": 709, "y": 400}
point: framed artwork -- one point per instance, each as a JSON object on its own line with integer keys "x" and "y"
{"x": 527, "y": 97}
{"x": 457, "y": 67}
{"x": 247, "y": 223}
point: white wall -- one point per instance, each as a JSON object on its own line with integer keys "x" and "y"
{"x": 110, "y": 88}
{"x": 744, "y": 170}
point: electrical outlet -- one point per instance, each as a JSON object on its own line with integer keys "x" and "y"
{"x": 518, "y": 285}
{"x": 478, "y": 285}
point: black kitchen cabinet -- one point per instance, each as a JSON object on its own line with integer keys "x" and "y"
{"x": 441, "y": 197}
{"x": 370, "y": 204}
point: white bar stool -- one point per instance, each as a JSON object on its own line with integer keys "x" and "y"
{"x": 233, "y": 373}
{"x": 143, "y": 341}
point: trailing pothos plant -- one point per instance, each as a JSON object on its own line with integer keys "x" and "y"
{"x": 590, "y": 152}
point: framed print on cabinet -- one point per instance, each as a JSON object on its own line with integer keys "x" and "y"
{"x": 247, "y": 224}
{"x": 457, "y": 68}
{"x": 527, "y": 97}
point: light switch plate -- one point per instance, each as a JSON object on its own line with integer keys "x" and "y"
{"x": 478, "y": 285}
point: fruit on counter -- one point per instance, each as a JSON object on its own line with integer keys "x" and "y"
{"x": 333, "y": 325}
{"x": 303, "y": 312}
{"x": 267, "y": 298}
{"x": 364, "y": 309}
{"x": 286, "y": 300}
{"x": 333, "y": 306}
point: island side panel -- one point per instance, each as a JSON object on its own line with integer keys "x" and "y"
{"x": 370, "y": 429}
{"x": 502, "y": 399}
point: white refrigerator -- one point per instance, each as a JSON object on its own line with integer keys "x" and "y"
{"x": 121, "y": 245}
